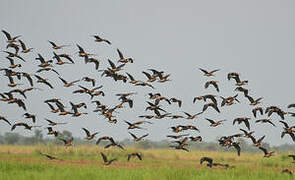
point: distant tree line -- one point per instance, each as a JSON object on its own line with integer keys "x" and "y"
{"x": 16, "y": 139}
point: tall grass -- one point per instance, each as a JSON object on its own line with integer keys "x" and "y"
{"x": 25, "y": 162}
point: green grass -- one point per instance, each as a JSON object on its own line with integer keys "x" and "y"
{"x": 24, "y": 162}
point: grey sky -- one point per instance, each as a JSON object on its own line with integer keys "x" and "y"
{"x": 255, "y": 38}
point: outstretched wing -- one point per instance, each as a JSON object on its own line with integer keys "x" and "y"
{"x": 104, "y": 157}
{"x": 263, "y": 149}
{"x": 120, "y": 54}
{"x": 204, "y": 71}
{"x": 86, "y": 131}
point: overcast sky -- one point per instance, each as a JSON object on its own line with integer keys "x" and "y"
{"x": 254, "y": 38}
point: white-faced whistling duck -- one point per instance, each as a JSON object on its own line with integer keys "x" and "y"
{"x": 257, "y": 142}
{"x": 47, "y": 69}
{"x": 236, "y": 145}
{"x": 63, "y": 55}
{"x": 246, "y": 133}
{"x": 30, "y": 116}
{"x": 25, "y": 49}
{"x": 214, "y": 123}
{"x": 12, "y": 64}
{"x": 122, "y": 59}
{"x": 113, "y": 143}
{"x": 164, "y": 78}
{"x": 75, "y": 108}
{"x": 23, "y": 124}
{"x": 205, "y": 97}
{"x": 150, "y": 78}
{"x": 4, "y": 119}
{"x": 141, "y": 83}
{"x": 252, "y": 101}
{"x": 54, "y": 46}
{"x": 134, "y": 154}
{"x": 239, "y": 82}
{"x": 229, "y": 100}
{"x": 207, "y": 73}
{"x": 266, "y": 153}
{"x": 196, "y": 138}
{"x": 105, "y": 159}
{"x": 214, "y": 83}
{"x": 131, "y": 78}
{"x": 51, "y": 123}
{"x": 245, "y": 120}
{"x": 243, "y": 90}
{"x": 44, "y": 81}
{"x": 138, "y": 138}
{"x": 43, "y": 62}
{"x": 52, "y": 132}
{"x": 259, "y": 109}
{"x": 231, "y": 75}
{"x": 9, "y": 38}
{"x": 179, "y": 102}
{"x": 88, "y": 135}
{"x": 207, "y": 159}
{"x": 68, "y": 84}
{"x": 21, "y": 92}
{"x": 213, "y": 105}
{"x": 133, "y": 125}
{"x": 99, "y": 39}
{"x": 288, "y": 130}
{"x": 67, "y": 142}
{"x": 88, "y": 79}
{"x": 189, "y": 116}
{"x": 114, "y": 67}
{"x": 53, "y": 110}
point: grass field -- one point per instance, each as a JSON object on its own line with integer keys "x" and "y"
{"x": 25, "y": 162}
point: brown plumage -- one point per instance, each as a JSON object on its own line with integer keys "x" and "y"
{"x": 252, "y": 101}
{"x": 122, "y": 59}
{"x": 213, "y": 105}
{"x": 259, "y": 109}
{"x": 88, "y": 135}
{"x": 99, "y": 39}
{"x": 44, "y": 81}
{"x": 23, "y": 124}
{"x": 207, "y": 73}
{"x": 105, "y": 159}
{"x": 212, "y": 82}
{"x": 68, "y": 84}
{"x": 257, "y": 142}
{"x": 30, "y": 116}
{"x": 138, "y": 138}
{"x": 51, "y": 123}
{"x": 205, "y": 97}
{"x": 134, "y": 154}
{"x": 67, "y": 142}
{"x": 10, "y": 39}
{"x": 4, "y": 119}
{"x": 189, "y": 116}
{"x": 266, "y": 153}
{"x": 245, "y": 120}
{"x": 214, "y": 123}
{"x": 54, "y": 46}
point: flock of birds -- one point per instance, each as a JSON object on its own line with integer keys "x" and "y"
{"x": 16, "y": 48}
